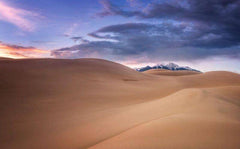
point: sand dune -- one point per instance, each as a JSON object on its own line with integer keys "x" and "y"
{"x": 92, "y": 103}
{"x": 191, "y": 118}
{"x": 170, "y": 72}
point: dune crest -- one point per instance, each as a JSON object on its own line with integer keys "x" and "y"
{"x": 93, "y": 103}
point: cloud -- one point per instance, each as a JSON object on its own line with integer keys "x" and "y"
{"x": 79, "y": 39}
{"x": 111, "y": 9}
{"x": 165, "y": 41}
{"x": 16, "y": 51}
{"x": 21, "y": 18}
{"x": 221, "y": 15}
{"x": 135, "y": 3}
{"x": 192, "y": 30}
{"x": 180, "y": 10}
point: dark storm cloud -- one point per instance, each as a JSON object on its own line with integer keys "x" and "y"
{"x": 198, "y": 10}
{"x": 193, "y": 29}
{"x": 166, "y": 40}
{"x": 222, "y": 15}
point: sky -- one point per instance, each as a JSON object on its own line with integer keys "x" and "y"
{"x": 201, "y": 34}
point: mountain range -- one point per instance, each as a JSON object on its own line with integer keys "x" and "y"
{"x": 169, "y": 66}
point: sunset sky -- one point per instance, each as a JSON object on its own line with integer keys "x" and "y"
{"x": 204, "y": 35}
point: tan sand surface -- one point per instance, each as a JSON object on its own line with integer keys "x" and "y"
{"x": 93, "y": 103}
{"x": 170, "y": 72}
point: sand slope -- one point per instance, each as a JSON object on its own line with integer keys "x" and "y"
{"x": 191, "y": 118}
{"x": 92, "y": 103}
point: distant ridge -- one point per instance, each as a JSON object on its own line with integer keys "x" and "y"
{"x": 169, "y": 66}
{"x": 5, "y": 58}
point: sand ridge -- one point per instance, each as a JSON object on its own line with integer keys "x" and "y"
{"x": 170, "y": 72}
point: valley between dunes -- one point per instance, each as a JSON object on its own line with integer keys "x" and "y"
{"x": 98, "y": 104}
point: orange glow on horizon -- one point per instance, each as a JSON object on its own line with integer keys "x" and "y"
{"x": 11, "y": 51}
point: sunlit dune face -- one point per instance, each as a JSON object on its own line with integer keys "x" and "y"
{"x": 13, "y": 51}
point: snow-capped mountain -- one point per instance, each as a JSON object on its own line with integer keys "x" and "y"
{"x": 169, "y": 66}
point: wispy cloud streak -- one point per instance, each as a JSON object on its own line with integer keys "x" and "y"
{"x": 19, "y": 17}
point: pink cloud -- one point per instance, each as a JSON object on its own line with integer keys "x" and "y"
{"x": 19, "y": 17}
{"x": 16, "y": 51}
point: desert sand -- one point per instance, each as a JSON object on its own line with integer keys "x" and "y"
{"x": 170, "y": 72}
{"x": 98, "y": 104}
